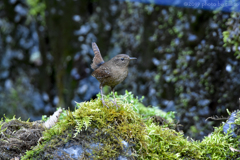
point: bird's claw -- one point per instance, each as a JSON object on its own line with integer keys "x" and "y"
{"x": 104, "y": 104}
{"x": 115, "y": 103}
{"x": 117, "y": 106}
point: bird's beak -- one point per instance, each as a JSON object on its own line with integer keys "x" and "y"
{"x": 132, "y": 58}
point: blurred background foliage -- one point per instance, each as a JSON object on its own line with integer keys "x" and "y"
{"x": 186, "y": 61}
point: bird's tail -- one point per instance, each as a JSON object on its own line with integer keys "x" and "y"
{"x": 97, "y": 60}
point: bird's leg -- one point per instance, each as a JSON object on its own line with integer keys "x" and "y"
{"x": 115, "y": 102}
{"x": 103, "y": 102}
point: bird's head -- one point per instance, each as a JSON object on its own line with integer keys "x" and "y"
{"x": 122, "y": 60}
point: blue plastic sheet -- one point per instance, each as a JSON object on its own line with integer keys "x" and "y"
{"x": 223, "y": 5}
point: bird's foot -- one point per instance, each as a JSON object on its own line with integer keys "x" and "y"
{"x": 115, "y": 103}
{"x": 117, "y": 106}
{"x": 104, "y": 104}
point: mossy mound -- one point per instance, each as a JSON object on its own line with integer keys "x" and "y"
{"x": 91, "y": 123}
{"x": 130, "y": 132}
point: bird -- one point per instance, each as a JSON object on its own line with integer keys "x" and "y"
{"x": 109, "y": 73}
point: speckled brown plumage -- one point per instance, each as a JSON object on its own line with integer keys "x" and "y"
{"x": 109, "y": 73}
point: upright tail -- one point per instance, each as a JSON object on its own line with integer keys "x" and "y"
{"x": 97, "y": 60}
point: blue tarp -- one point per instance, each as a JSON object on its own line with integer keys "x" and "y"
{"x": 223, "y": 5}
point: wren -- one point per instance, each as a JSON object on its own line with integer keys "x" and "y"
{"x": 109, "y": 73}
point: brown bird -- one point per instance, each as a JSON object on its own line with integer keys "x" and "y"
{"x": 109, "y": 73}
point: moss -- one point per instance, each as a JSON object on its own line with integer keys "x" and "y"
{"x": 165, "y": 143}
{"x": 107, "y": 128}
{"x": 218, "y": 146}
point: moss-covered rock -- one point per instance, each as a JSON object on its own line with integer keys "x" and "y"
{"x": 129, "y": 132}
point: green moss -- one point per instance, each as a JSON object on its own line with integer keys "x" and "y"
{"x": 217, "y": 145}
{"x": 133, "y": 123}
{"x": 165, "y": 143}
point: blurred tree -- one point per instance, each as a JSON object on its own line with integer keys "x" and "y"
{"x": 60, "y": 27}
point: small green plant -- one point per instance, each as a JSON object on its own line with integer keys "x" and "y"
{"x": 36, "y": 7}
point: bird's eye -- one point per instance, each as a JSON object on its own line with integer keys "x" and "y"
{"x": 122, "y": 59}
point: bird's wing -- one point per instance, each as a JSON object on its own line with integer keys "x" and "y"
{"x": 102, "y": 72}
{"x": 97, "y": 60}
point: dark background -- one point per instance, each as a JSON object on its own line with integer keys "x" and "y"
{"x": 183, "y": 64}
